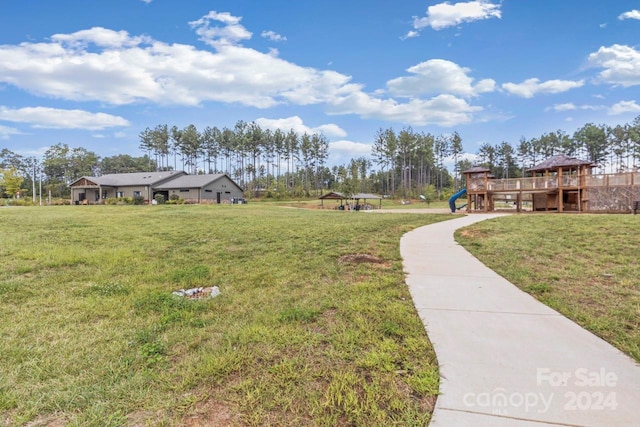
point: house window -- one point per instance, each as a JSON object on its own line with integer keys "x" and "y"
{"x": 137, "y": 193}
{"x": 104, "y": 194}
{"x": 182, "y": 190}
{"x": 119, "y": 194}
{"x": 208, "y": 191}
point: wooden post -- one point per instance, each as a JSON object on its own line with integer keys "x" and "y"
{"x": 560, "y": 191}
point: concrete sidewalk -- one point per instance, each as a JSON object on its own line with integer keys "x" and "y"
{"x": 506, "y": 359}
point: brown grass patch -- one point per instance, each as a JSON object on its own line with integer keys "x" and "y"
{"x": 211, "y": 413}
{"x": 360, "y": 259}
{"x": 48, "y": 421}
{"x": 472, "y": 233}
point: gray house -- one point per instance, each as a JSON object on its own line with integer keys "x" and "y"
{"x": 215, "y": 188}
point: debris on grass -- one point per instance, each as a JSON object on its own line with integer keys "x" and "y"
{"x": 198, "y": 293}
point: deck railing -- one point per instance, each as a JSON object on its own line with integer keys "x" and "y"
{"x": 535, "y": 183}
{"x": 613, "y": 179}
{"x": 551, "y": 182}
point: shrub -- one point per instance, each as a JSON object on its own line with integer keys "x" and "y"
{"x": 159, "y": 198}
{"x": 138, "y": 200}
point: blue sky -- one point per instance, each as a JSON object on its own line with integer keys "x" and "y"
{"x": 95, "y": 73}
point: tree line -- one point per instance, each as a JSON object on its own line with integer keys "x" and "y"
{"x": 256, "y": 158}
{"x": 402, "y": 163}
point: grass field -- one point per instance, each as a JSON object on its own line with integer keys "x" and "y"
{"x": 305, "y": 331}
{"x": 585, "y": 266}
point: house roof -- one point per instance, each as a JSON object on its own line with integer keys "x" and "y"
{"x": 132, "y": 179}
{"x": 559, "y": 161}
{"x": 193, "y": 181}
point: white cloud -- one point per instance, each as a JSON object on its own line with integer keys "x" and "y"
{"x": 100, "y": 37}
{"x": 273, "y": 36}
{"x": 116, "y": 68}
{"x": 632, "y": 14}
{"x": 410, "y": 35}
{"x": 442, "y": 110}
{"x": 623, "y": 107}
{"x": 445, "y": 15}
{"x": 53, "y": 118}
{"x": 296, "y": 123}
{"x": 531, "y": 87}
{"x": 355, "y": 149}
{"x": 565, "y": 107}
{"x": 621, "y": 65}
{"x": 572, "y": 107}
{"x": 438, "y": 76}
{"x": 230, "y": 33}
{"x": 6, "y": 132}
{"x": 146, "y": 1}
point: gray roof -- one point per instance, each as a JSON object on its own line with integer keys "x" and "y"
{"x": 477, "y": 169}
{"x": 560, "y": 161}
{"x": 132, "y": 179}
{"x": 190, "y": 181}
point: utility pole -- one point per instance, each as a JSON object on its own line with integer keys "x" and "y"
{"x": 40, "y": 192}
{"x": 33, "y": 180}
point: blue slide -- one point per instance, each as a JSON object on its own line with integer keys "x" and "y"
{"x": 452, "y": 200}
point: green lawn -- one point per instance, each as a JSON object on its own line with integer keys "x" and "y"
{"x": 585, "y": 266}
{"x": 302, "y": 334}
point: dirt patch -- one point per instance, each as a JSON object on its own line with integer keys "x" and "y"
{"x": 210, "y": 413}
{"x": 360, "y": 259}
{"x": 471, "y": 234}
{"x": 47, "y": 421}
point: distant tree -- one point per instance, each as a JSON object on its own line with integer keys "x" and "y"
{"x": 456, "y": 150}
{"x": 594, "y": 140}
{"x": 211, "y": 137}
{"x": 442, "y": 148}
{"x": 487, "y": 155}
{"x": 406, "y": 146}
{"x": 524, "y": 153}
{"x": 618, "y": 138}
{"x": 320, "y": 153}
{"x": 425, "y": 161}
{"x": 190, "y": 147}
{"x": 384, "y": 151}
{"x": 506, "y": 159}
{"x": 124, "y": 163}
{"x": 9, "y": 159}
{"x": 10, "y": 181}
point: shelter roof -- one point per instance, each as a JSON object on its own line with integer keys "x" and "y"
{"x": 477, "y": 169}
{"x": 334, "y": 195}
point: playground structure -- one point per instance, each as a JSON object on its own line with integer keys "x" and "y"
{"x": 558, "y": 184}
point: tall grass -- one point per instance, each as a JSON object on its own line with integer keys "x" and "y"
{"x": 301, "y": 335}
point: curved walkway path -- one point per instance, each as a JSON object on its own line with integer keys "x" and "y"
{"x": 506, "y": 359}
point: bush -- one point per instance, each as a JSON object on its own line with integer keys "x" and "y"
{"x": 174, "y": 197}
{"x": 159, "y": 198}
{"x": 138, "y": 200}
